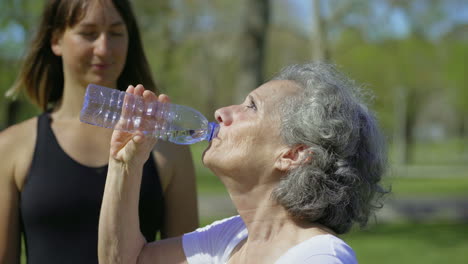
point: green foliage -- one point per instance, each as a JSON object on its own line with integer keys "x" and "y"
{"x": 207, "y": 182}
{"x": 455, "y": 74}
{"x": 193, "y": 49}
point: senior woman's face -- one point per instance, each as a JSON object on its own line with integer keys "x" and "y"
{"x": 249, "y": 135}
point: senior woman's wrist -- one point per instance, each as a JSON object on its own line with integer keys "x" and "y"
{"x": 130, "y": 165}
{"x": 126, "y": 167}
{"x": 119, "y": 212}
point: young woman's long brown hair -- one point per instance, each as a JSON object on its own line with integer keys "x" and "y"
{"x": 41, "y": 75}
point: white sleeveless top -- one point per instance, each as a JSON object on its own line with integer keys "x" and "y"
{"x": 214, "y": 243}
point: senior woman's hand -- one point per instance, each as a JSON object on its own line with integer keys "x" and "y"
{"x": 128, "y": 153}
{"x": 134, "y": 148}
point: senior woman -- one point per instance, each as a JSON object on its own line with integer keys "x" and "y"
{"x": 301, "y": 158}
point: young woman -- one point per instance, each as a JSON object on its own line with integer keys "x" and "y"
{"x": 53, "y": 167}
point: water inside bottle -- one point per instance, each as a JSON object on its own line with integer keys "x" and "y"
{"x": 187, "y": 136}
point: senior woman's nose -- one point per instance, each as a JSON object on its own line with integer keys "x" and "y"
{"x": 223, "y": 116}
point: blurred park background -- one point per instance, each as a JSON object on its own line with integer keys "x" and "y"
{"x": 411, "y": 54}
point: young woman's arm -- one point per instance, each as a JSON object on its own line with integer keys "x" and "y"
{"x": 9, "y": 212}
{"x": 177, "y": 175}
{"x": 16, "y": 143}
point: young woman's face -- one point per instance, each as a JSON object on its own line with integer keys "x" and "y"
{"x": 95, "y": 49}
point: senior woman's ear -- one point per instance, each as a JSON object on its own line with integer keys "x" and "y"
{"x": 293, "y": 157}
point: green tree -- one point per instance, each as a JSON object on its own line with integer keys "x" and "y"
{"x": 252, "y": 46}
{"x": 16, "y": 28}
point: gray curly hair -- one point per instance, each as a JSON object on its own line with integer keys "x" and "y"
{"x": 340, "y": 185}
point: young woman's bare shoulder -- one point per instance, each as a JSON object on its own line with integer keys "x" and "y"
{"x": 17, "y": 147}
{"x": 19, "y": 135}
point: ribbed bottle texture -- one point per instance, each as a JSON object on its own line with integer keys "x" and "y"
{"x": 111, "y": 108}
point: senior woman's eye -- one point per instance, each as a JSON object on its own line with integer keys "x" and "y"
{"x": 252, "y": 105}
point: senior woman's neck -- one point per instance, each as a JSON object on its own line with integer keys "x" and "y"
{"x": 264, "y": 218}
{"x": 261, "y": 215}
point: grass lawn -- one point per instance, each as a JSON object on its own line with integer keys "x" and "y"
{"x": 448, "y": 151}
{"x": 207, "y": 182}
{"x": 454, "y": 185}
{"x": 439, "y": 187}
{"x": 409, "y": 243}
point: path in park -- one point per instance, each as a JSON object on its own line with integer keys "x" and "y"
{"x": 395, "y": 209}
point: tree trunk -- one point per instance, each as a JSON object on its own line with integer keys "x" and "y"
{"x": 208, "y": 82}
{"x": 400, "y": 135}
{"x": 252, "y": 47}
{"x": 463, "y": 133}
{"x": 167, "y": 40}
{"x": 320, "y": 50}
{"x": 411, "y": 115}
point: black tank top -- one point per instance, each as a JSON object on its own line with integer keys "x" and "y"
{"x": 61, "y": 200}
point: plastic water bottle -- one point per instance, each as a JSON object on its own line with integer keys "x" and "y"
{"x": 111, "y": 108}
